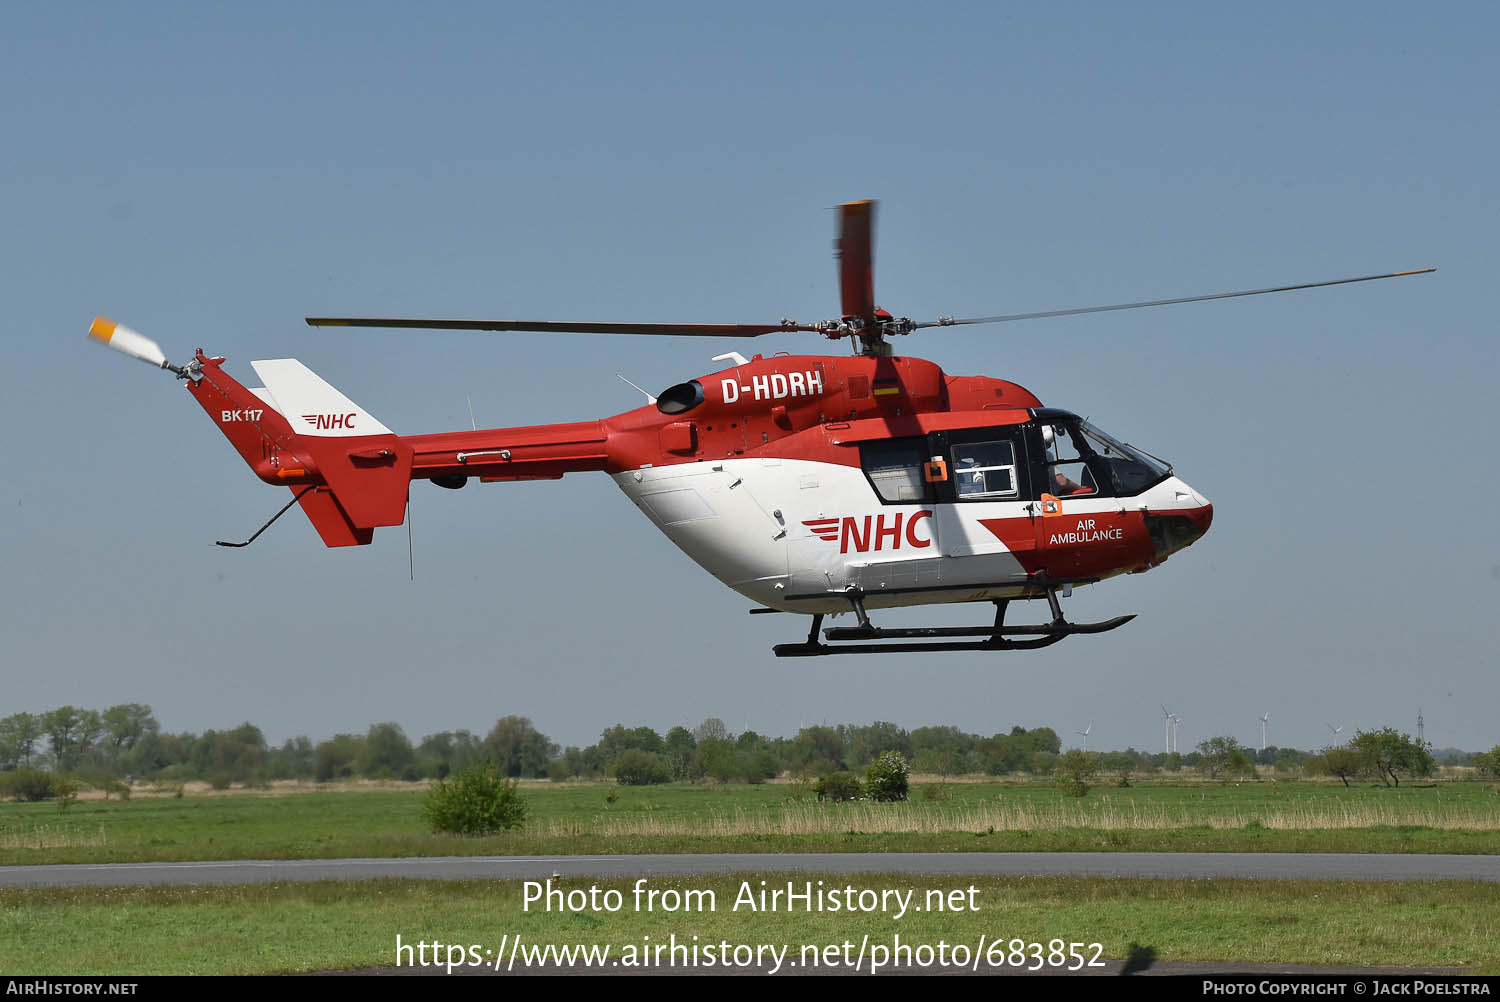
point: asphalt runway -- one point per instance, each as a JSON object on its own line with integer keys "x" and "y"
{"x": 1185, "y": 865}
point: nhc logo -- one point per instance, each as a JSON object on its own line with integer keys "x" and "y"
{"x": 858, "y": 531}
{"x": 330, "y": 422}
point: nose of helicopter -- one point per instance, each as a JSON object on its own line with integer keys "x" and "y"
{"x": 1202, "y": 517}
{"x": 1181, "y": 528}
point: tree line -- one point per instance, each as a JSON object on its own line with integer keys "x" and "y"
{"x": 127, "y": 741}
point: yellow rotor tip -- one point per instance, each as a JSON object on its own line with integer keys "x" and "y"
{"x": 102, "y": 329}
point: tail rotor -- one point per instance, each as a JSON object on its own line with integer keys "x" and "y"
{"x": 137, "y": 345}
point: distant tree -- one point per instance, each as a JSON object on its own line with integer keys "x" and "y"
{"x": 336, "y": 757}
{"x": 518, "y": 748}
{"x": 759, "y": 763}
{"x": 755, "y": 758}
{"x": 1289, "y": 759}
{"x": 1076, "y": 770}
{"x": 238, "y": 754}
{"x": 819, "y": 749}
{"x": 925, "y": 739}
{"x": 865, "y": 744}
{"x": 1338, "y": 760}
{"x": 477, "y": 801}
{"x": 888, "y": 777}
{"x": 711, "y": 727}
{"x": 387, "y": 754}
{"x": 19, "y": 734}
{"x": 714, "y": 758}
{"x": 1390, "y": 754}
{"x": 1488, "y": 763}
{"x": 295, "y": 759}
{"x": 940, "y": 762}
{"x": 1044, "y": 739}
{"x": 62, "y": 727}
{"x": 678, "y": 751}
{"x": 838, "y": 787}
{"x": 30, "y": 784}
{"x": 1220, "y": 756}
{"x": 572, "y": 756}
{"x": 1042, "y": 762}
{"x": 90, "y": 730}
{"x": 1033, "y": 751}
{"x": 447, "y": 752}
{"x": 1000, "y": 754}
{"x": 155, "y": 753}
{"x": 124, "y": 726}
{"x": 618, "y": 739}
{"x": 635, "y": 767}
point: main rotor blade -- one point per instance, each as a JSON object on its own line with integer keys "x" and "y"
{"x": 557, "y": 327}
{"x": 856, "y": 260}
{"x": 947, "y": 322}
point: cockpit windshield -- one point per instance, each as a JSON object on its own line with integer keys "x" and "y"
{"x": 1081, "y": 459}
{"x": 1131, "y": 470}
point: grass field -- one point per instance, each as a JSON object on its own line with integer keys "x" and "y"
{"x": 336, "y": 925}
{"x": 579, "y": 818}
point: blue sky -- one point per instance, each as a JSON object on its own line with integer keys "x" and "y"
{"x": 211, "y": 174}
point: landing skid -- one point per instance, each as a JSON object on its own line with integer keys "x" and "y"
{"x": 995, "y": 636}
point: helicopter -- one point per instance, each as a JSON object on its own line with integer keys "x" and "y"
{"x": 812, "y": 485}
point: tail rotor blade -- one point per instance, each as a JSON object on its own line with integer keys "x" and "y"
{"x": 132, "y": 343}
{"x": 856, "y": 260}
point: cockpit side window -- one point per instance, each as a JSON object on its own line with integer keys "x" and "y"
{"x": 1068, "y": 472}
{"x": 894, "y": 467}
{"x": 1069, "y": 479}
{"x": 1058, "y": 439}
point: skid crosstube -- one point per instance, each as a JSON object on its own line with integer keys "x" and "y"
{"x": 995, "y": 636}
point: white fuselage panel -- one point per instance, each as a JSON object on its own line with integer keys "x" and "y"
{"x": 794, "y": 534}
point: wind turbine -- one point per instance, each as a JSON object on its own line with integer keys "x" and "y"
{"x": 1166, "y": 729}
{"x": 1175, "y": 721}
{"x": 1336, "y": 730}
{"x": 1264, "y": 720}
{"x": 1085, "y": 733}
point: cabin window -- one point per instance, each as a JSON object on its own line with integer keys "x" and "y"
{"x": 985, "y": 471}
{"x": 894, "y": 467}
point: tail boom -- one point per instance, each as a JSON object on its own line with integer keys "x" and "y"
{"x": 361, "y": 481}
{"x": 538, "y": 452}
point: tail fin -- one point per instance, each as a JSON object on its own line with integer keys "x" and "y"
{"x": 311, "y": 406}
{"x": 298, "y": 431}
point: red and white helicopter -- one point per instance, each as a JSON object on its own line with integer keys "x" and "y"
{"x": 808, "y": 484}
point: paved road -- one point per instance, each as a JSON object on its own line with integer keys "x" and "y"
{"x": 1264, "y": 866}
